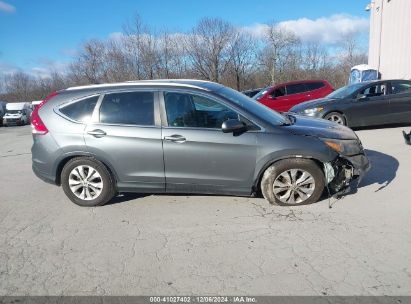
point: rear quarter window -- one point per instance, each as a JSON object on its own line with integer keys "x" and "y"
{"x": 81, "y": 110}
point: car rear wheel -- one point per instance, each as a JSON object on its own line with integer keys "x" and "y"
{"x": 293, "y": 182}
{"x": 87, "y": 182}
{"x": 336, "y": 117}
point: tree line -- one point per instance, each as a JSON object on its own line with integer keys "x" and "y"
{"x": 212, "y": 50}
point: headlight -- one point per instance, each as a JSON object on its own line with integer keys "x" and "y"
{"x": 313, "y": 111}
{"x": 344, "y": 147}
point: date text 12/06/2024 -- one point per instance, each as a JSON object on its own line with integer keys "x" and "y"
{"x": 203, "y": 299}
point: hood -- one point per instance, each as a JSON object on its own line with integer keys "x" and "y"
{"x": 318, "y": 127}
{"x": 13, "y": 115}
{"x": 312, "y": 104}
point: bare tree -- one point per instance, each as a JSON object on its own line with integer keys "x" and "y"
{"x": 212, "y": 50}
{"x": 313, "y": 57}
{"x": 90, "y": 64}
{"x": 141, "y": 44}
{"x": 279, "y": 42}
{"x": 242, "y": 57}
{"x": 20, "y": 85}
{"x": 208, "y": 47}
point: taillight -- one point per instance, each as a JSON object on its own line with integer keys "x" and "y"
{"x": 37, "y": 125}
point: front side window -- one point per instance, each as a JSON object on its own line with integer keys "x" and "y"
{"x": 345, "y": 91}
{"x": 278, "y": 92}
{"x": 128, "y": 108}
{"x": 260, "y": 93}
{"x": 296, "y": 88}
{"x": 81, "y": 110}
{"x": 195, "y": 111}
{"x": 374, "y": 91}
{"x": 400, "y": 87}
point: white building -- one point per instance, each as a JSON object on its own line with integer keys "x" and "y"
{"x": 390, "y": 38}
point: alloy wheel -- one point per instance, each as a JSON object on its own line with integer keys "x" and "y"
{"x": 336, "y": 118}
{"x": 85, "y": 182}
{"x": 293, "y": 186}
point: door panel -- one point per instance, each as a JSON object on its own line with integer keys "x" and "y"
{"x": 135, "y": 153}
{"x": 400, "y": 101}
{"x": 372, "y": 108}
{"x": 198, "y": 156}
{"x": 209, "y": 161}
{"x": 280, "y": 104}
{"x": 400, "y": 105}
{"x": 127, "y": 138}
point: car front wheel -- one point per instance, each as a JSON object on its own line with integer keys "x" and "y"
{"x": 293, "y": 182}
{"x": 87, "y": 182}
{"x": 336, "y": 117}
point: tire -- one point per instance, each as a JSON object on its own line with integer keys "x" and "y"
{"x": 96, "y": 190}
{"x": 276, "y": 179}
{"x": 336, "y": 117}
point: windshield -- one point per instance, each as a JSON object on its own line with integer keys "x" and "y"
{"x": 260, "y": 94}
{"x": 345, "y": 91}
{"x": 13, "y": 111}
{"x": 253, "y": 107}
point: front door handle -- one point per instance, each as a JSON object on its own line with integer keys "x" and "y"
{"x": 97, "y": 133}
{"x": 175, "y": 138}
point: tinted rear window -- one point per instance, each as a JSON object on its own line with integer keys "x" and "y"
{"x": 81, "y": 110}
{"x": 311, "y": 86}
{"x": 128, "y": 108}
{"x": 296, "y": 88}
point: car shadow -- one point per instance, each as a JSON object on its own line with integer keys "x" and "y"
{"x": 376, "y": 127}
{"x": 125, "y": 197}
{"x": 383, "y": 170}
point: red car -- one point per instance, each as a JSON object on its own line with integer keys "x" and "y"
{"x": 286, "y": 95}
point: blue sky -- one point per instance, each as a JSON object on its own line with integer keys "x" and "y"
{"x": 34, "y": 34}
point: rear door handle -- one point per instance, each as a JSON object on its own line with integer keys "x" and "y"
{"x": 175, "y": 138}
{"x": 97, "y": 133}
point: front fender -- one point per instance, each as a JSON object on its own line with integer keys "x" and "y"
{"x": 275, "y": 147}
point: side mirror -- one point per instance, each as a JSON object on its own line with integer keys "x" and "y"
{"x": 362, "y": 97}
{"x": 233, "y": 126}
{"x": 271, "y": 97}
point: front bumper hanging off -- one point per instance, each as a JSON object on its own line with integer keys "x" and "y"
{"x": 345, "y": 173}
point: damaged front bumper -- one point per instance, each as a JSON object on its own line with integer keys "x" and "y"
{"x": 344, "y": 173}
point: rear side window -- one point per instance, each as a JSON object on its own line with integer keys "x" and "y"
{"x": 311, "y": 86}
{"x": 400, "y": 87}
{"x": 296, "y": 88}
{"x": 81, "y": 110}
{"x": 128, "y": 108}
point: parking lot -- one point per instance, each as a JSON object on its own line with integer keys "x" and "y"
{"x": 208, "y": 245}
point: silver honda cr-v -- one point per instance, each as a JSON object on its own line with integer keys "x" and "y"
{"x": 187, "y": 136}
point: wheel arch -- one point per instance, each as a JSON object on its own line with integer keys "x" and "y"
{"x": 67, "y": 157}
{"x": 259, "y": 176}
